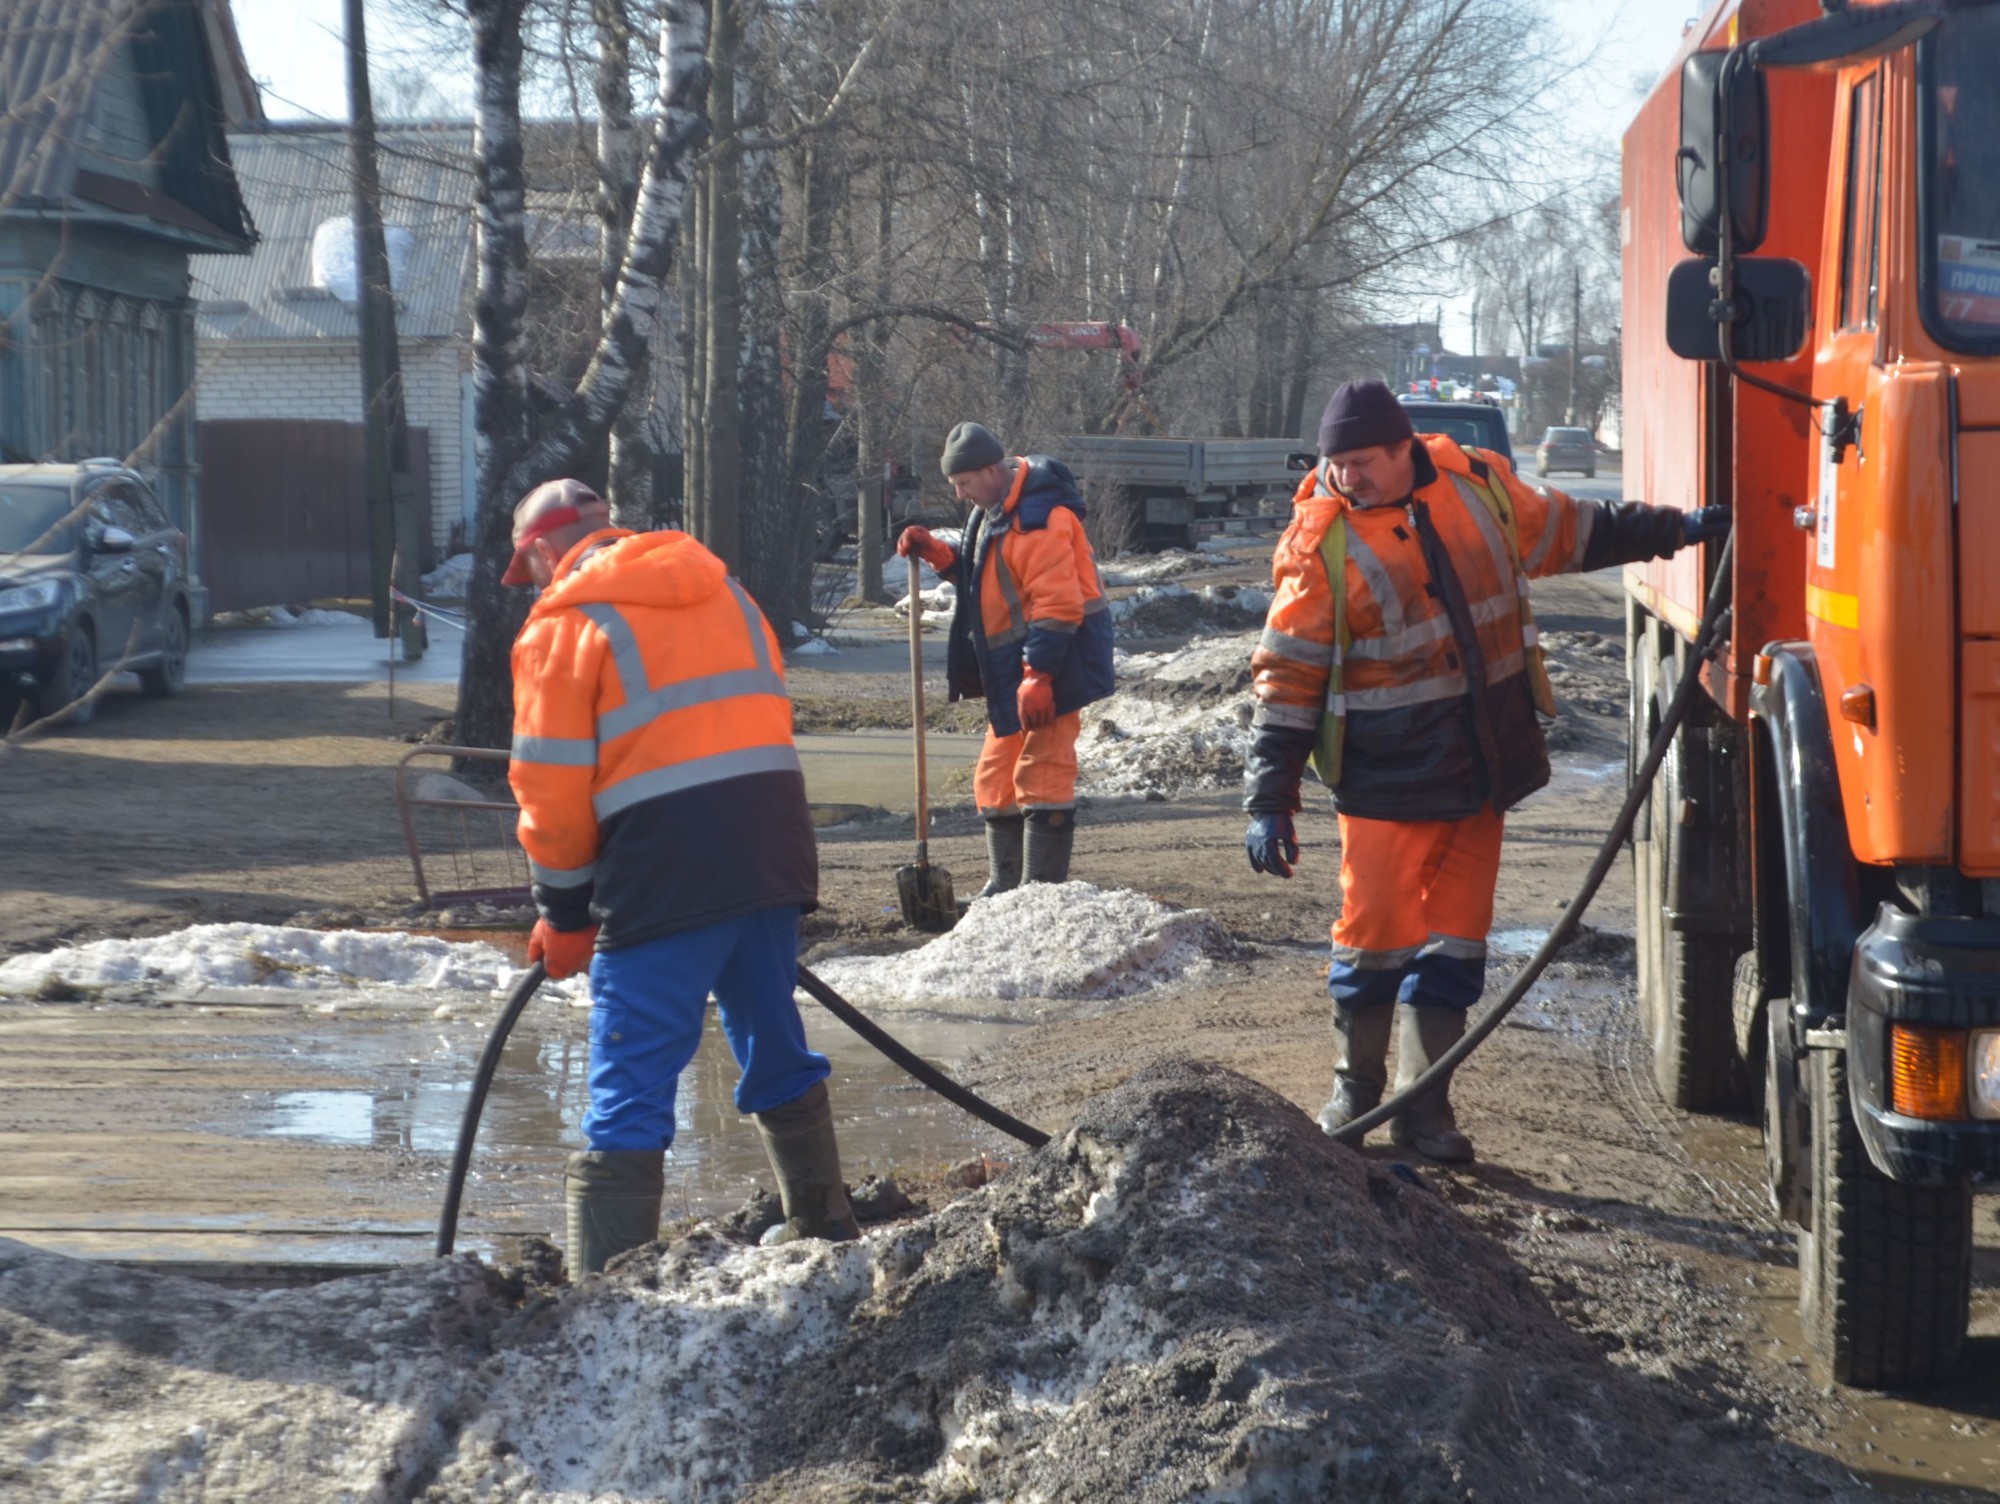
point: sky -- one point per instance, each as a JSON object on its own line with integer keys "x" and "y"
{"x": 294, "y": 49}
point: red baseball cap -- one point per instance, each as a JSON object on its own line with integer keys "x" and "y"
{"x": 551, "y": 506}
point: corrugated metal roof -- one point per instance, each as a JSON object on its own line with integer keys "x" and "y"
{"x": 55, "y": 57}
{"x": 294, "y": 179}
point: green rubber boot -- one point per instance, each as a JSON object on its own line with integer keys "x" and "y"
{"x": 612, "y": 1197}
{"x": 799, "y": 1142}
{"x": 1428, "y": 1124}
{"x": 1051, "y": 834}
{"x": 1003, "y": 853}
{"x": 1362, "y": 1070}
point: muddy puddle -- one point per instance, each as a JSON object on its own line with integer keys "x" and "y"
{"x": 261, "y": 1134}
{"x": 1943, "y": 1444}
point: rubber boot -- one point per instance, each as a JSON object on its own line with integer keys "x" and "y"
{"x": 612, "y": 1197}
{"x": 1362, "y": 1070}
{"x": 799, "y": 1142}
{"x": 1428, "y": 1124}
{"x": 1051, "y": 833}
{"x": 1003, "y": 854}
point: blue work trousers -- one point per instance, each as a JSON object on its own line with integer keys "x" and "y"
{"x": 648, "y": 1003}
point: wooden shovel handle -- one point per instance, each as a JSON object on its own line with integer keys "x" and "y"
{"x": 917, "y": 709}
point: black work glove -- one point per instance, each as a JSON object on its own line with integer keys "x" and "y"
{"x": 1273, "y": 843}
{"x": 1705, "y": 525}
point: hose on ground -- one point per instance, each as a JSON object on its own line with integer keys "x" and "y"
{"x": 1709, "y": 638}
{"x": 468, "y": 1126}
{"x": 833, "y": 1002}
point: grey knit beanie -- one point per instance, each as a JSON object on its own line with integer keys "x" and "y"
{"x": 970, "y": 447}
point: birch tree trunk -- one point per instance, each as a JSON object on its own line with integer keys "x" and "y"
{"x": 629, "y": 487}
{"x": 512, "y": 461}
{"x": 722, "y": 297}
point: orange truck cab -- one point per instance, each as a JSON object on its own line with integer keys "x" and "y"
{"x": 1811, "y": 245}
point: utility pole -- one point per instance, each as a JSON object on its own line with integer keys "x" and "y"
{"x": 392, "y": 513}
{"x": 1575, "y": 338}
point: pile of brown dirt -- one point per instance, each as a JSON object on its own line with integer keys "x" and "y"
{"x": 1191, "y": 1294}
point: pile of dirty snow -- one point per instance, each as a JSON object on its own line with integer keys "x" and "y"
{"x": 1151, "y": 569}
{"x": 286, "y": 616}
{"x": 1190, "y": 1293}
{"x": 1168, "y": 610}
{"x": 1041, "y": 942}
{"x": 1179, "y": 721}
{"x": 938, "y": 603}
{"x": 450, "y": 579}
{"x": 263, "y": 955}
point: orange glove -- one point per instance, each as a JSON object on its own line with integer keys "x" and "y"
{"x": 933, "y": 550}
{"x": 563, "y": 953}
{"x": 1036, "y": 700}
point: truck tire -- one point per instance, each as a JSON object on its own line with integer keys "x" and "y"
{"x": 1885, "y": 1270}
{"x": 1686, "y": 979}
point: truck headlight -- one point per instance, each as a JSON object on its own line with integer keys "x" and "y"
{"x": 1982, "y": 1073}
{"x": 30, "y": 597}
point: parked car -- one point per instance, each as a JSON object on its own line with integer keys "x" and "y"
{"x": 1566, "y": 449}
{"x": 1480, "y": 424}
{"x": 93, "y": 577}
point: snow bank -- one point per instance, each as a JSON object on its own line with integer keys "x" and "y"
{"x": 813, "y": 647}
{"x": 1179, "y": 722}
{"x": 1150, "y": 569}
{"x": 271, "y": 956}
{"x": 450, "y": 579}
{"x": 939, "y": 600}
{"x": 286, "y": 616}
{"x": 1044, "y": 941}
{"x": 1189, "y": 1294}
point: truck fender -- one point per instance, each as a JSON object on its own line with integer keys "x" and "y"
{"x": 1822, "y": 879}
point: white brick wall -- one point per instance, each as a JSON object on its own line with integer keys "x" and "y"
{"x": 322, "y": 382}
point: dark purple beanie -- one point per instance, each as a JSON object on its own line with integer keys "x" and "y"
{"x": 1360, "y": 415}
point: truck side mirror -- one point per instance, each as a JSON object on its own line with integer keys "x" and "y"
{"x": 1773, "y": 306}
{"x": 1709, "y": 80}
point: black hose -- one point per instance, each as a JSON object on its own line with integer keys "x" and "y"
{"x": 916, "y": 1065}
{"x": 834, "y": 1003}
{"x": 468, "y": 1127}
{"x": 1713, "y": 632}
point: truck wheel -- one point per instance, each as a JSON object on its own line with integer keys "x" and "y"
{"x": 1884, "y": 1269}
{"x": 1686, "y": 979}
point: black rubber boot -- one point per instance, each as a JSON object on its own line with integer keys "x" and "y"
{"x": 799, "y": 1142}
{"x": 1051, "y": 833}
{"x": 1428, "y": 1124}
{"x": 612, "y": 1197}
{"x": 1362, "y": 1070}
{"x": 1003, "y": 853}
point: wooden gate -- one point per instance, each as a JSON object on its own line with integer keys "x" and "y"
{"x": 284, "y": 519}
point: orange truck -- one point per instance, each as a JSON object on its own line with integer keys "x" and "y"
{"x": 1811, "y": 247}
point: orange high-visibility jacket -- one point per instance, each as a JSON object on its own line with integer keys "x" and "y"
{"x": 1029, "y": 597}
{"x": 1439, "y": 708}
{"x": 653, "y": 757}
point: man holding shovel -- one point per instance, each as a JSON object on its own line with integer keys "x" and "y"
{"x": 1031, "y": 631}
{"x": 664, "y": 816}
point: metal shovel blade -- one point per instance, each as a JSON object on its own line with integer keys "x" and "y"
{"x": 925, "y": 894}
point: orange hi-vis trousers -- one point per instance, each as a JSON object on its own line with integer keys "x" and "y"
{"x": 1029, "y": 770}
{"x": 1416, "y": 901}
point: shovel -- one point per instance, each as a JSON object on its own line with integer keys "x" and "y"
{"x": 923, "y": 891}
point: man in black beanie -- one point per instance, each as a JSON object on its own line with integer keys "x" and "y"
{"x": 1400, "y": 657}
{"x": 1030, "y": 632}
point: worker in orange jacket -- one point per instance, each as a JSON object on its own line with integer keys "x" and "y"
{"x": 1031, "y": 631}
{"x": 664, "y": 817}
{"x": 1399, "y": 656}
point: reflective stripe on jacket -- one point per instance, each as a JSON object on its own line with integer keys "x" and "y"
{"x": 1439, "y": 692}
{"x": 653, "y": 757}
{"x": 1028, "y": 593}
